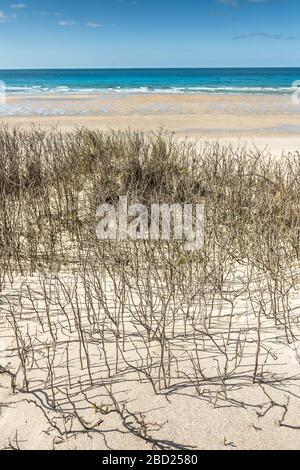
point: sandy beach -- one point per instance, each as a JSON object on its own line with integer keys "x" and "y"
{"x": 261, "y": 120}
{"x": 66, "y": 410}
{"x": 149, "y": 231}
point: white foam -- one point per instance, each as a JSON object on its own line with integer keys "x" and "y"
{"x": 13, "y": 90}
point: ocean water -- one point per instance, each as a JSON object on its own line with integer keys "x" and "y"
{"x": 231, "y": 81}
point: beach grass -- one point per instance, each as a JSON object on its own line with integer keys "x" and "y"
{"x": 91, "y": 323}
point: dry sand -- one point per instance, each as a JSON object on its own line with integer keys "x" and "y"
{"x": 265, "y": 121}
{"x": 242, "y": 416}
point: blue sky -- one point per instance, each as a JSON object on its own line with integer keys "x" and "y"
{"x": 149, "y": 33}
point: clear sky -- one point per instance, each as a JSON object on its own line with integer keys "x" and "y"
{"x": 149, "y": 33}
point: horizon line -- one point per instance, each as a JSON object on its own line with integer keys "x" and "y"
{"x": 149, "y": 68}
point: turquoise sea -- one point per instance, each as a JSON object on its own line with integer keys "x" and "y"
{"x": 229, "y": 80}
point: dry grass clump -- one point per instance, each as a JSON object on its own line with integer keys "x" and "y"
{"x": 85, "y": 316}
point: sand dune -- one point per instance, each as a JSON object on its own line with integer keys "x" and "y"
{"x": 141, "y": 345}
